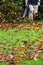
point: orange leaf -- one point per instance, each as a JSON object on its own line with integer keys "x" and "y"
{"x": 23, "y": 54}
{"x": 19, "y": 49}
{"x": 16, "y": 64}
{"x": 15, "y": 56}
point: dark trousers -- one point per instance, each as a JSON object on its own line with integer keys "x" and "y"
{"x": 25, "y": 12}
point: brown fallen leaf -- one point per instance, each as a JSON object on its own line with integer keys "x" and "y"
{"x": 35, "y": 56}
{"x": 4, "y": 43}
{"x": 41, "y": 57}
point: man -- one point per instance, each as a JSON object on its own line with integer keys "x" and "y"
{"x": 33, "y": 8}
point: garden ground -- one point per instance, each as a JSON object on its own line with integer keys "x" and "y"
{"x": 21, "y": 39}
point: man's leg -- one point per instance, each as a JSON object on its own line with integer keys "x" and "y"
{"x": 25, "y": 12}
{"x": 31, "y": 15}
{"x": 31, "y": 12}
{"x": 26, "y": 8}
{"x": 35, "y": 10}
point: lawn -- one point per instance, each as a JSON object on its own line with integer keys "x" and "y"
{"x": 16, "y": 37}
{"x": 29, "y": 62}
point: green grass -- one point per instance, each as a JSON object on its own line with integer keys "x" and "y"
{"x": 2, "y": 63}
{"x": 17, "y": 36}
{"x": 29, "y": 62}
{"x": 32, "y": 62}
{"x": 12, "y": 35}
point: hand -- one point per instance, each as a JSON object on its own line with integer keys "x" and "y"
{"x": 38, "y": 3}
{"x": 26, "y": 5}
